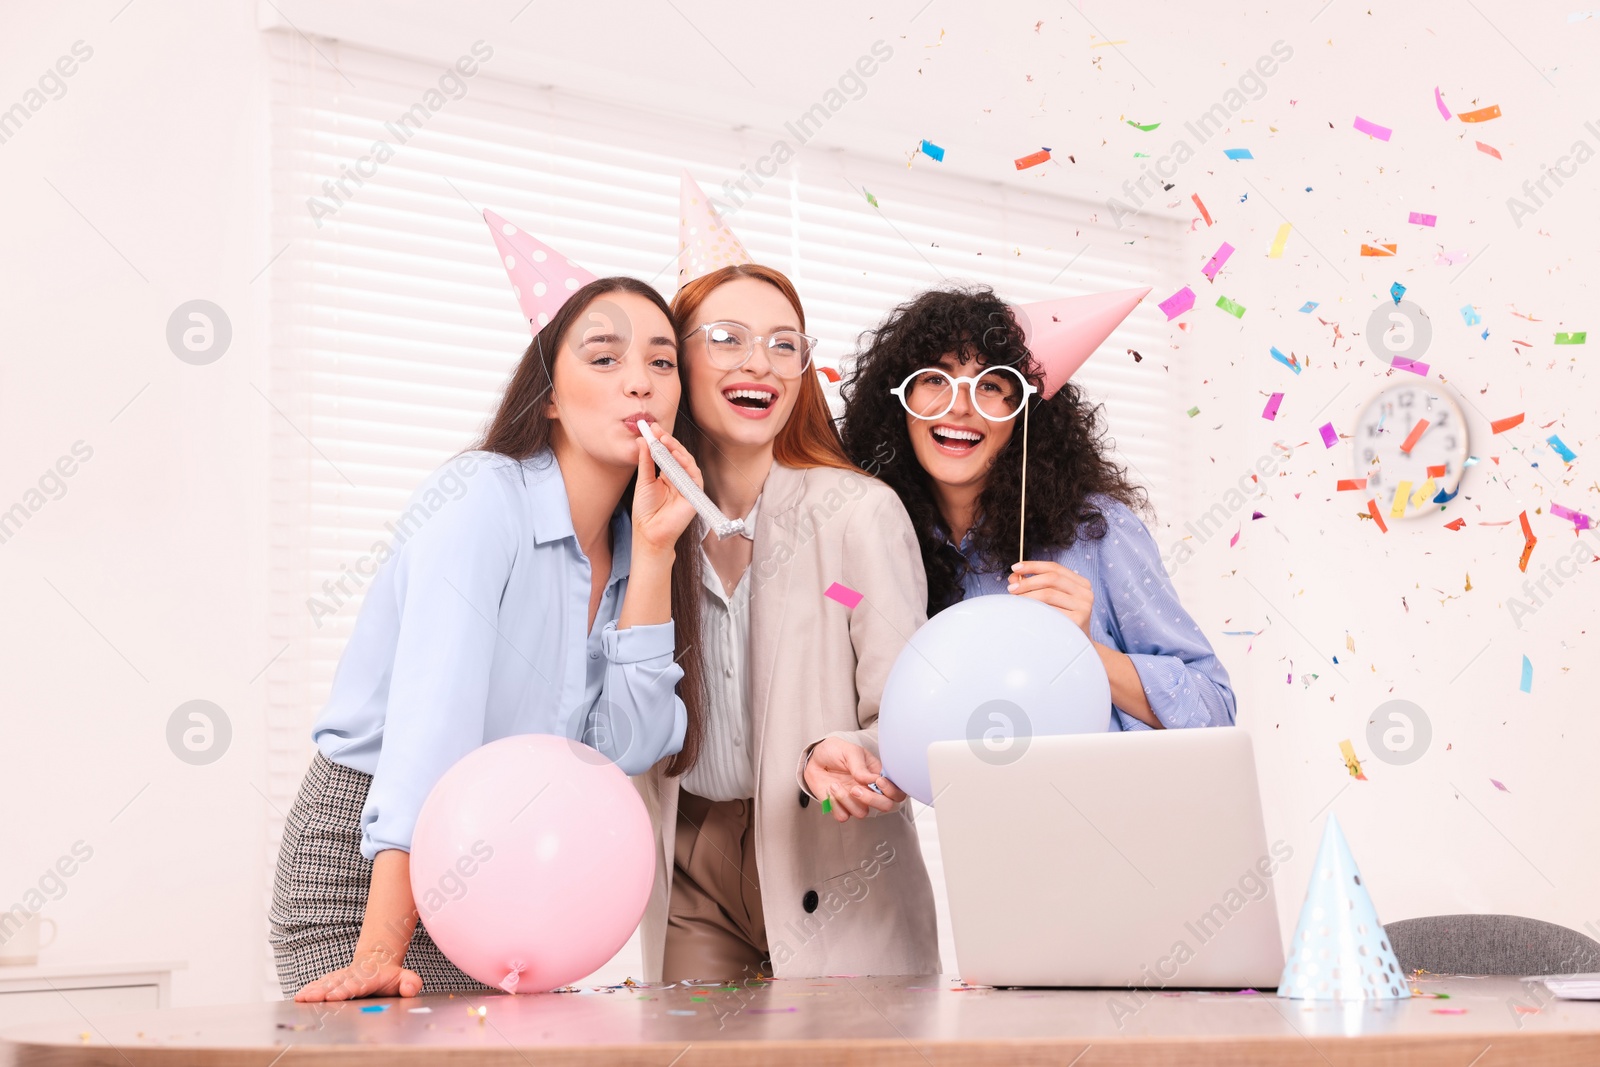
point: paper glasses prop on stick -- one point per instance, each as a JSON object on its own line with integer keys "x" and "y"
{"x": 720, "y": 524}
{"x": 995, "y": 671}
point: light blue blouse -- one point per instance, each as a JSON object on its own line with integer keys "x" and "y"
{"x": 474, "y": 630}
{"x": 1136, "y": 611}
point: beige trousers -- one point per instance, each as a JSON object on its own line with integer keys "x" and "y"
{"x": 715, "y": 926}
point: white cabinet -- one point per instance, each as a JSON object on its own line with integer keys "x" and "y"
{"x": 63, "y": 993}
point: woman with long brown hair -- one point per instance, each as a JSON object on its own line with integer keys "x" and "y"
{"x": 783, "y": 850}
{"x": 523, "y": 598}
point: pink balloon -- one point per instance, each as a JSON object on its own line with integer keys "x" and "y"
{"x": 532, "y": 862}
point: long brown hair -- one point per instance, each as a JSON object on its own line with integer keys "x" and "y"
{"x": 809, "y": 438}
{"x": 521, "y": 428}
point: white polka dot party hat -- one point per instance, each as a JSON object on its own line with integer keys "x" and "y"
{"x": 541, "y": 277}
{"x": 1063, "y": 333}
{"x": 704, "y": 243}
{"x": 1339, "y": 950}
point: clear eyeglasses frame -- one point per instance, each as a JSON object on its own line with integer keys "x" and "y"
{"x": 729, "y": 346}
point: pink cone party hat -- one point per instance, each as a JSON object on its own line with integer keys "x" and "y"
{"x": 1339, "y": 950}
{"x": 541, "y": 277}
{"x": 704, "y": 243}
{"x": 1063, "y": 333}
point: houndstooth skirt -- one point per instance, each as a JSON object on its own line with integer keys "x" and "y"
{"x": 319, "y": 894}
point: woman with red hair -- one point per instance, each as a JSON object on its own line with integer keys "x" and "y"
{"x": 783, "y": 850}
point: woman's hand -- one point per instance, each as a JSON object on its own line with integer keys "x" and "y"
{"x": 373, "y": 972}
{"x": 845, "y": 772}
{"x": 660, "y": 512}
{"x": 1050, "y": 583}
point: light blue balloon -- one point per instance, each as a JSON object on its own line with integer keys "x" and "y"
{"x": 996, "y": 671}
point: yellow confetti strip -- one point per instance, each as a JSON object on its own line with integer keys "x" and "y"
{"x": 1278, "y": 242}
{"x": 1401, "y": 493}
{"x": 1423, "y": 495}
{"x": 1351, "y": 763}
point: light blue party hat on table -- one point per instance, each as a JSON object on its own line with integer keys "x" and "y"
{"x": 1339, "y": 950}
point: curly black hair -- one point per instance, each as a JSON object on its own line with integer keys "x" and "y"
{"x": 1068, "y": 454}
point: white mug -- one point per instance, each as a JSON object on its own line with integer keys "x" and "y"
{"x": 21, "y": 947}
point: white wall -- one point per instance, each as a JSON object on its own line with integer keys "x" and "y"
{"x": 144, "y": 585}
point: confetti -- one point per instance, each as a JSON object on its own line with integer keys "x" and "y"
{"x": 1527, "y": 683}
{"x": 1308, "y": 307}
{"x": 870, "y": 198}
{"x": 1528, "y": 541}
{"x": 843, "y": 594}
{"x": 932, "y": 151}
{"x": 1502, "y": 425}
{"x": 1193, "y": 412}
{"x": 1578, "y": 519}
{"x": 1419, "y": 219}
{"x": 1278, "y": 241}
{"x": 1449, "y": 1011}
{"x": 1292, "y": 362}
{"x": 1235, "y": 538}
{"x": 1351, "y": 483}
{"x": 1203, "y": 212}
{"x": 1351, "y": 764}
{"x": 1469, "y": 315}
{"x": 827, "y": 805}
{"x": 370, "y": 1008}
{"x": 1439, "y": 100}
{"x": 1396, "y": 291}
{"x": 1397, "y": 506}
{"x": 1402, "y": 363}
{"x": 1489, "y": 150}
{"x": 1041, "y": 156}
{"x": 1329, "y": 436}
{"x": 1436, "y": 470}
{"x": 1236, "y": 310}
{"x": 1379, "y": 250}
{"x": 1237, "y": 153}
{"x": 1483, "y": 114}
{"x": 1216, "y": 261}
{"x": 1145, "y": 128}
{"x": 420, "y": 1011}
{"x": 1567, "y": 454}
{"x": 1372, "y": 509}
{"x": 1455, "y": 524}
{"x": 1177, "y": 303}
{"x": 1579, "y": 338}
{"x": 1414, "y": 436}
{"x": 1270, "y": 412}
{"x": 1372, "y": 129}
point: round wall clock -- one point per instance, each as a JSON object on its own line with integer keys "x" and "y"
{"x": 1412, "y": 446}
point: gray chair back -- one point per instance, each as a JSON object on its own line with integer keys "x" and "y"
{"x": 1491, "y": 944}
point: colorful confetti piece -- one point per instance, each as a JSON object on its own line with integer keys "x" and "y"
{"x": 1528, "y": 541}
{"x": 1489, "y": 150}
{"x": 1483, "y": 114}
{"x": 1330, "y": 437}
{"x": 1567, "y": 455}
{"x": 870, "y": 198}
{"x": 1470, "y": 316}
{"x": 1396, "y": 291}
{"x": 1192, "y": 412}
{"x": 1414, "y": 436}
{"x": 827, "y": 805}
{"x": 1380, "y": 250}
{"x": 1397, "y": 506}
{"x": 1237, "y": 153}
{"x": 1203, "y": 212}
{"x": 1236, "y": 310}
{"x": 1279, "y": 241}
{"x": 932, "y": 151}
{"x": 1502, "y": 425}
{"x": 1292, "y": 362}
{"x": 1177, "y": 303}
{"x": 1308, "y": 307}
{"x": 1417, "y": 218}
{"x": 1216, "y": 261}
{"x": 1270, "y": 412}
{"x": 1146, "y": 127}
{"x": 843, "y": 594}
{"x": 1402, "y": 363}
{"x": 1579, "y": 520}
{"x": 1351, "y": 483}
{"x": 1579, "y": 338}
{"x": 1527, "y": 681}
{"x": 1041, "y": 156}
{"x": 1372, "y": 129}
{"x": 1351, "y": 763}
{"x": 1377, "y": 517}
{"x": 1438, "y": 100}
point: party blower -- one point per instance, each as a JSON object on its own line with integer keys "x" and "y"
{"x": 720, "y": 524}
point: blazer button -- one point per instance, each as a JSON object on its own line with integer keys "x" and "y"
{"x": 809, "y": 901}
{"x": 805, "y": 799}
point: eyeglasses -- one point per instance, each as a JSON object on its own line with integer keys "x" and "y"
{"x": 997, "y": 394}
{"x": 730, "y": 344}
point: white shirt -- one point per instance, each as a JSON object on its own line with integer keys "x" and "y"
{"x": 725, "y": 769}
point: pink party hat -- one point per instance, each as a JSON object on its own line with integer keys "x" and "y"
{"x": 1063, "y": 333}
{"x": 704, "y": 243}
{"x": 541, "y": 277}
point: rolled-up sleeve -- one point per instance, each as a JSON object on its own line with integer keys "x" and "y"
{"x": 449, "y": 576}
{"x": 647, "y": 719}
{"x": 1182, "y": 677}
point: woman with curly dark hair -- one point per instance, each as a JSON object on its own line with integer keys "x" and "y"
{"x": 932, "y": 408}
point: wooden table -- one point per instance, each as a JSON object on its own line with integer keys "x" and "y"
{"x": 878, "y": 1022}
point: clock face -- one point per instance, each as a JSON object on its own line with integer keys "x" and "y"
{"x": 1411, "y": 445}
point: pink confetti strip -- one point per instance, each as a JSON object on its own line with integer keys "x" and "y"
{"x": 1439, "y": 100}
{"x": 1402, "y": 363}
{"x": 1235, "y": 538}
{"x": 1329, "y": 436}
{"x": 843, "y": 594}
{"x": 1578, "y": 519}
{"x": 1419, "y": 219}
{"x": 1177, "y": 303}
{"x": 1211, "y": 268}
{"x": 1270, "y": 412}
{"x": 1372, "y": 129}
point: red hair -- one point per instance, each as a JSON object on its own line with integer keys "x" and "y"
{"x": 809, "y": 438}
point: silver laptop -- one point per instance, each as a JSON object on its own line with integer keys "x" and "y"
{"x": 1109, "y": 860}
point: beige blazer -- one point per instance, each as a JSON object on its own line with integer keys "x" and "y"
{"x": 838, "y": 898}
